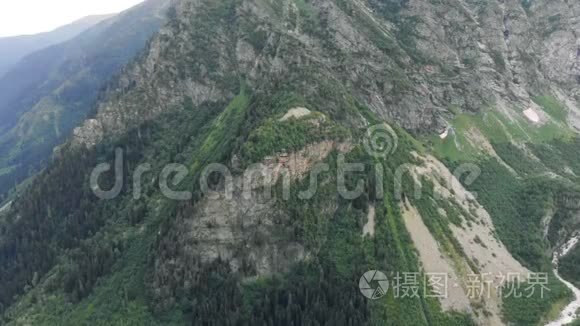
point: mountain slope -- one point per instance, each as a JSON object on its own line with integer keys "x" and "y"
{"x": 17, "y": 47}
{"x": 217, "y": 85}
{"x": 49, "y": 92}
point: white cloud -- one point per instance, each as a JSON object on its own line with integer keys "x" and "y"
{"x": 18, "y": 17}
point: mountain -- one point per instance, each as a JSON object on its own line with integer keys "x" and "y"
{"x": 50, "y": 91}
{"x": 17, "y": 47}
{"x": 433, "y": 141}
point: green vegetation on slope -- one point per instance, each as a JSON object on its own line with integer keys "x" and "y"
{"x": 520, "y": 197}
{"x": 275, "y": 137}
{"x": 104, "y": 280}
{"x": 540, "y": 307}
{"x": 101, "y": 272}
{"x": 554, "y": 108}
{"x": 570, "y": 265}
{"x": 469, "y": 133}
{"x": 67, "y": 258}
{"x": 519, "y": 205}
{"x": 223, "y": 132}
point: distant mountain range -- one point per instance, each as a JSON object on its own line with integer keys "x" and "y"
{"x": 14, "y": 48}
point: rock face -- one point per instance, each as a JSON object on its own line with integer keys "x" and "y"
{"x": 499, "y": 53}
{"x": 410, "y": 66}
{"x": 241, "y": 224}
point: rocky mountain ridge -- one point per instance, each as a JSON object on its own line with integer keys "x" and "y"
{"x": 503, "y": 55}
{"x": 215, "y": 85}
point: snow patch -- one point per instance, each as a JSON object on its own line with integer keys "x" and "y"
{"x": 532, "y": 115}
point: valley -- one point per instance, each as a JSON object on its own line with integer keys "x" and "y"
{"x": 569, "y": 314}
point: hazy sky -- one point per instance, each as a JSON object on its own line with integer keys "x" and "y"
{"x": 18, "y": 17}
